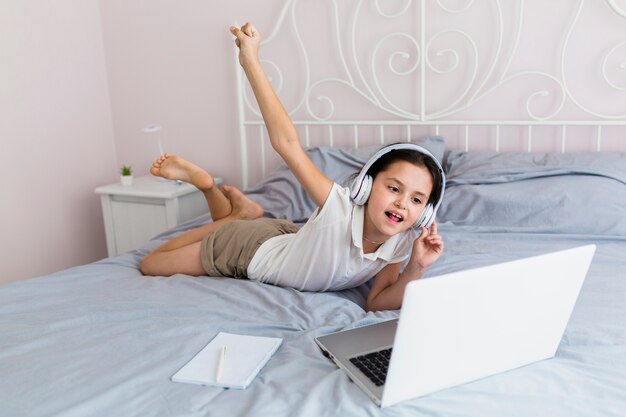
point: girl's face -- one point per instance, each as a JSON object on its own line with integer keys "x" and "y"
{"x": 399, "y": 195}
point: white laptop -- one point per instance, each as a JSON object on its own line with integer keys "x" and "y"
{"x": 463, "y": 326}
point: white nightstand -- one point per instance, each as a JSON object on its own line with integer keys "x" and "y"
{"x": 134, "y": 214}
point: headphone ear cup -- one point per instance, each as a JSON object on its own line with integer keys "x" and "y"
{"x": 426, "y": 218}
{"x": 364, "y": 191}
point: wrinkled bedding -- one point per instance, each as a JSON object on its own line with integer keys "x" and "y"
{"x": 102, "y": 340}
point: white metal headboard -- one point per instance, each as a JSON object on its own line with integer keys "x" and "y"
{"x": 424, "y": 57}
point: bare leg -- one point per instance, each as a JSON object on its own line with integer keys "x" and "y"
{"x": 181, "y": 255}
{"x": 176, "y": 168}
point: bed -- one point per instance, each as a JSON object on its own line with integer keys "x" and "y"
{"x": 102, "y": 340}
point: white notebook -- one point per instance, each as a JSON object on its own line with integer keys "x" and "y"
{"x": 243, "y": 359}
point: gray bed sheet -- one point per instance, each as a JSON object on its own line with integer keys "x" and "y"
{"x": 102, "y": 340}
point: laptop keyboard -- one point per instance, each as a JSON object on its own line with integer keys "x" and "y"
{"x": 374, "y": 365}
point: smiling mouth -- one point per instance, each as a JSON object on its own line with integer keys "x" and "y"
{"x": 395, "y": 218}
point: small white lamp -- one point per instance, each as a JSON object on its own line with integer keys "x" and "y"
{"x": 153, "y": 128}
{"x": 156, "y": 129}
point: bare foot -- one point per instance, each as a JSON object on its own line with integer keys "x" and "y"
{"x": 176, "y": 168}
{"x": 243, "y": 207}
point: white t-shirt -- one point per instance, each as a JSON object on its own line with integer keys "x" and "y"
{"x": 327, "y": 254}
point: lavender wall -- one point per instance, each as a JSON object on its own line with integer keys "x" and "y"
{"x": 172, "y": 63}
{"x": 56, "y": 136}
{"x": 79, "y": 79}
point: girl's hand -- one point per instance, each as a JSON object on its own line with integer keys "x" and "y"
{"x": 248, "y": 41}
{"x": 427, "y": 248}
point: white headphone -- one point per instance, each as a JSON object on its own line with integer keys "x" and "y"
{"x": 362, "y": 184}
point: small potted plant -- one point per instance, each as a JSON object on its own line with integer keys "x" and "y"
{"x": 127, "y": 175}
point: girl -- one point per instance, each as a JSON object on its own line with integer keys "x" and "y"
{"x": 355, "y": 234}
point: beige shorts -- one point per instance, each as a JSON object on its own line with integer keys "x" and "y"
{"x": 227, "y": 252}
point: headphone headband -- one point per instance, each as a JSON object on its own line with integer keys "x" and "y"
{"x": 362, "y": 185}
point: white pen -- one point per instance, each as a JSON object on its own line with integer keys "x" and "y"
{"x": 220, "y": 364}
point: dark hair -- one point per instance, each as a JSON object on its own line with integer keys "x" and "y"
{"x": 414, "y": 157}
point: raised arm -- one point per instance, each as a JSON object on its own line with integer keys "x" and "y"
{"x": 282, "y": 132}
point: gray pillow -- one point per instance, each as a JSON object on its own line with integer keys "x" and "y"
{"x": 581, "y": 193}
{"x": 282, "y": 196}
